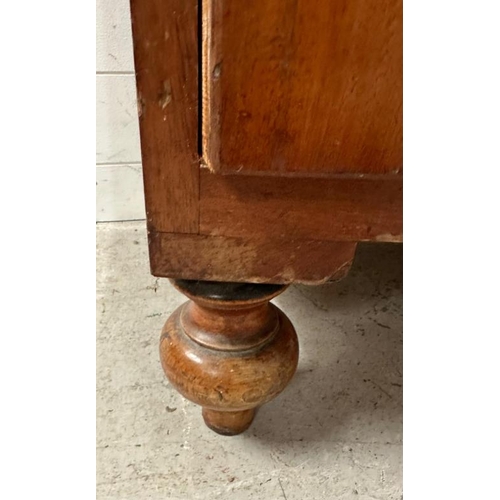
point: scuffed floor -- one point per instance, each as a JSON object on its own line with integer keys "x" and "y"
{"x": 334, "y": 433}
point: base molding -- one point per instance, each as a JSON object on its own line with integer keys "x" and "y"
{"x": 249, "y": 260}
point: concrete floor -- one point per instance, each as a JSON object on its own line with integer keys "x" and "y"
{"x": 334, "y": 433}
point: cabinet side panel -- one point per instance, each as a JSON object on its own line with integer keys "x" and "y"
{"x": 166, "y": 63}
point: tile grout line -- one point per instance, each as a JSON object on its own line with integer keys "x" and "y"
{"x": 117, "y": 163}
{"x": 115, "y": 73}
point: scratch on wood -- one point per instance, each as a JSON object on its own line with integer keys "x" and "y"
{"x": 141, "y": 104}
{"x": 389, "y": 238}
{"x": 165, "y": 96}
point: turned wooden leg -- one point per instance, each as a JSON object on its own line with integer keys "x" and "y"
{"x": 229, "y": 350}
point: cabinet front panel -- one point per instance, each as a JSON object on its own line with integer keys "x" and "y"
{"x": 302, "y": 86}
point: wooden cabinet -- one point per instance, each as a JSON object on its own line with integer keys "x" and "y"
{"x": 271, "y": 136}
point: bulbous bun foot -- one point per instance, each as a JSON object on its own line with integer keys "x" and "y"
{"x": 229, "y": 350}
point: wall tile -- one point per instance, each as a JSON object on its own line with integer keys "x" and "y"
{"x": 114, "y": 36}
{"x": 117, "y": 122}
{"x": 119, "y": 193}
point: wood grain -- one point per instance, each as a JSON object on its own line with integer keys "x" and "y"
{"x": 310, "y": 86}
{"x": 250, "y": 259}
{"x": 317, "y": 209}
{"x": 229, "y": 354}
{"x": 254, "y": 228}
{"x": 166, "y": 63}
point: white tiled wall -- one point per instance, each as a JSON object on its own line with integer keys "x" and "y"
{"x": 118, "y": 154}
